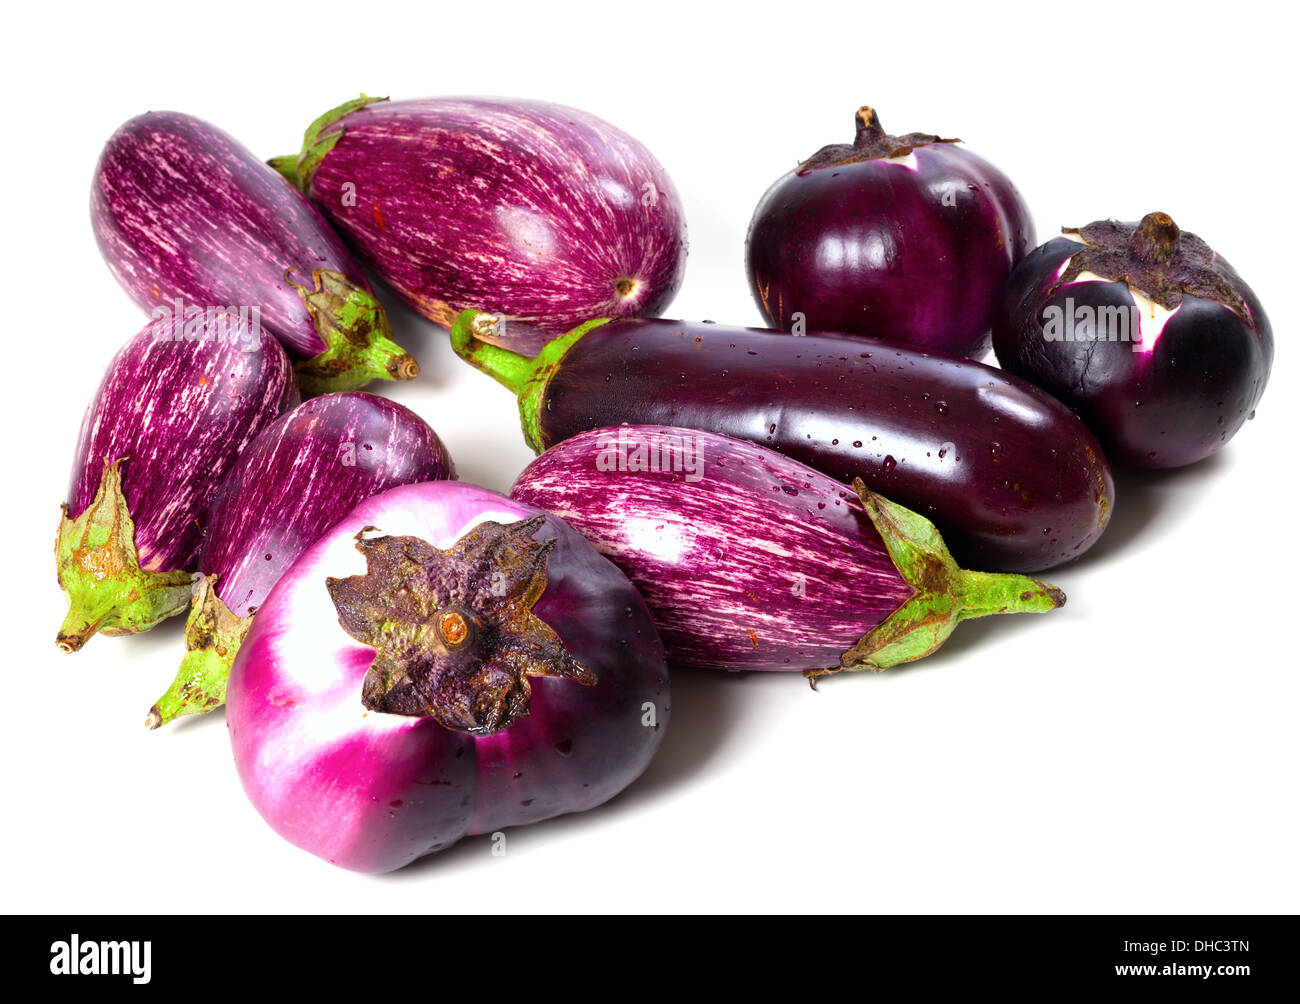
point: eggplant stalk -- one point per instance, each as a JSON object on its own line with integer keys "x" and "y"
{"x": 356, "y": 333}
{"x": 525, "y": 377}
{"x": 212, "y": 638}
{"x": 100, "y": 573}
{"x": 944, "y": 594}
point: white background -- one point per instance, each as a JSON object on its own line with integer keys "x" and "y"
{"x": 1135, "y": 751}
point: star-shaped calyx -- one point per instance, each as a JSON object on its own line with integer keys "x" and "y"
{"x": 454, "y": 631}
{"x": 1155, "y": 258}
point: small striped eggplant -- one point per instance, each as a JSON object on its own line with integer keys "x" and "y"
{"x": 303, "y": 474}
{"x": 167, "y": 423}
{"x": 543, "y": 214}
{"x": 1013, "y": 479}
{"x": 445, "y": 661}
{"x": 751, "y": 561}
{"x": 188, "y": 219}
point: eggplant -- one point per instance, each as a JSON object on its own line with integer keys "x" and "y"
{"x": 1144, "y": 331}
{"x": 445, "y": 661}
{"x": 1013, "y": 480}
{"x": 168, "y": 421}
{"x": 188, "y": 219}
{"x": 543, "y": 214}
{"x": 299, "y": 477}
{"x": 907, "y": 238}
{"x": 749, "y": 560}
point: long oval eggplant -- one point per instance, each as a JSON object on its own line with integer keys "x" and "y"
{"x": 305, "y": 472}
{"x": 749, "y": 560}
{"x": 187, "y": 218}
{"x": 170, "y": 416}
{"x": 1011, "y": 477}
{"x": 544, "y": 214}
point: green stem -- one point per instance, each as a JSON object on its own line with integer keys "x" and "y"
{"x": 357, "y": 336}
{"x": 525, "y": 377}
{"x": 316, "y": 143}
{"x": 944, "y": 594}
{"x": 100, "y": 573}
{"x": 213, "y": 636}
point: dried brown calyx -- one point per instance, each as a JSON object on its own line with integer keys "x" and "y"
{"x": 1155, "y": 258}
{"x": 871, "y": 143}
{"x": 454, "y": 631}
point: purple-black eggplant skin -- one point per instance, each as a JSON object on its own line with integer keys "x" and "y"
{"x": 907, "y": 238}
{"x": 1013, "y": 479}
{"x": 183, "y": 212}
{"x": 543, "y": 214}
{"x": 169, "y": 419}
{"x": 300, "y": 476}
{"x": 1165, "y": 391}
{"x": 749, "y": 560}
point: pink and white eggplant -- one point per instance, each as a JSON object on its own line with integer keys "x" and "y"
{"x": 541, "y": 214}
{"x": 751, "y": 561}
{"x": 303, "y": 474}
{"x": 445, "y": 661}
{"x": 167, "y": 423}
{"x": 188, "y": 219}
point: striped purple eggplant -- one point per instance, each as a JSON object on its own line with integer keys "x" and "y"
{"x": 749, "y": 560}
{"x": 444, "y": 661}
{"x": 188, "y": 219}
{"x": 542, "y": 214}
{"x": 1014, "y": 480}
{"x": 167, "y": 423}
{"x": 303, "y": 474}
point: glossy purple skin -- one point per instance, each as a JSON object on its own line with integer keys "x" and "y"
{"x": 181, "y": 209}
{"x": 371, "y": 791}
{"x": 178, "y": 413}
{"x": 722, "y": 550}
{"x": 1167, "y": 405}
{"x": 526, "y": 209}
{"x": 1014, "y": 481}
{"x": 910, "y": 249}
{"x": 303, "y": 474}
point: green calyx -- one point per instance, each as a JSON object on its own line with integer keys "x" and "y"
{"x": 358, "y": 338}
{"x": 100, "y": 573}
{"x": 524, "y": 376}
{"x": 944, "y": 594}
{"x": 212, "y": 638}
{"x": 316, "y": 143}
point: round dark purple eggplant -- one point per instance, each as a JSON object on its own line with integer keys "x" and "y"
{"x": 300, "y": 476}
{"x": 1145, "y": 331}
{"x": 187, "y": 218}
{"x": 749, "y": 560}
{"x": 168, "y": 421}
{"x": 1012, "y": 478}
{"x": 907, "y": 238}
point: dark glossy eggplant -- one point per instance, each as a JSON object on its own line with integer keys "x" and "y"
{"x": 902, "y": 237}
{"x": 1014, "y": 481}
{"x": 305, "y": 472}
{"x": 1144, "y": 331}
